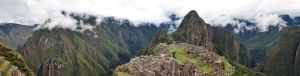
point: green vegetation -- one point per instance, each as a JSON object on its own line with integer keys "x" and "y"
{"x": 283, "y": 58}
{"x": 182, "y": 56}
{"x": 185, "y": 54}
{"x": 259, "y": 44}
{"x": 167, "y": 39}
{"x": 122, "y": 74}
{"x": 206, "y": 68}
{"x": 225, "y": 43}
{"x": 242, "y": 70}
{"x": 3, "y": 65}
{"x": 221, "y": 51}
{"x": 244, "y": 56}
{"x": 86, "y": 53}
{"x": 228, "y": 68}
{"x": 13, "y": 58}
{"x": 9, "y": 70}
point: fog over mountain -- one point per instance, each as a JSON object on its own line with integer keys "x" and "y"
{"x": 264, "y": 13}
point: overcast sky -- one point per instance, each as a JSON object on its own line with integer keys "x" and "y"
{"x": 219, "y": 12}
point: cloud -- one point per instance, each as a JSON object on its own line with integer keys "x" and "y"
{"x": 66, "y": 21}
{"x": 59, "y": 20}
{"x": 264, "y": 21}
{"x": 215, "y": 12}
{"x": 17, "y": 11}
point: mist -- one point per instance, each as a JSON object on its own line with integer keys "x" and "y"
{"x": 216, "y": 12}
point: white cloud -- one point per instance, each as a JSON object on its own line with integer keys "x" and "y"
{"x": 263, "y": 21}
{"x": 217, "y": 12}
{"x": 56, "y": 19}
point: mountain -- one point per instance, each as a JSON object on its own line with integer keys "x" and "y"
{"x": 63, "y": 52}
{"x": 14, "y": 35}
{"x": 291, "y": 21}
{"x": 283, "y": 58}
{"x": 12, "y": 63}
{"x": 259, "y": 43}
{"x": 195, "y": 49}
{"x": 262, "y": 45}
{"x": 193, "y": 30}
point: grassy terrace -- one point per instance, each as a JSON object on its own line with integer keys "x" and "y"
{"x": 6, "y": 68}
{"x": 9, "y": 60}
{"x": 3, "y": 65}
{"x": 9, "y": 70}
{"x": 122, "y": 74}
{"x": 180, "y": 55}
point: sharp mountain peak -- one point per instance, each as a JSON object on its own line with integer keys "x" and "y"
{"x": 193, "y": 18}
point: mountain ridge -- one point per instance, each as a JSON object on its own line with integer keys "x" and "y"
{"x": 189, "y": 50}
{"x": 84, "y": 53}
{"x": 282, "y": 59}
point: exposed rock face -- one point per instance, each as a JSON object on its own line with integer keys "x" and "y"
{"x": 297, "y": 56}
{"x": 283, "y": 59}
{"x": 226, "y": 43}
{"x": 52, "y": 67}
{"x": 160, "y": 36}
{"x": 193, "y": 30}
{"x": 14, "y": 35}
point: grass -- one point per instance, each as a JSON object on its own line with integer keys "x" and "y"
{"x": 182, "y": 56}
{"x": 15, "y": 59}
{"x": 9, "y": 70}
{"x": 241, "y": 70}
{"x": 280, "y": 60}
{"x": 122, "y": 74}
{"x": 259, "y": 44}
{"x": 3, "y": 65}
{"x": 206, "y": 68}
{"x": 228, "y": 68}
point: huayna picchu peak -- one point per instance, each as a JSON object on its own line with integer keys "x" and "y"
{"x": 192, "y": 50}
{"x": 193, "y": 30}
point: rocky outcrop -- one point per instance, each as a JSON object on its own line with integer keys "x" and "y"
{"x": 226, "y": 43}
{"x": 52, "y": 67}
{"x": 297, "y": 56}
{"x": 160, "y": 37}
{"x": 193, "y": 30}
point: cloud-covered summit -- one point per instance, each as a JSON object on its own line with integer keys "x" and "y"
{"x": 217, "y": 12}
